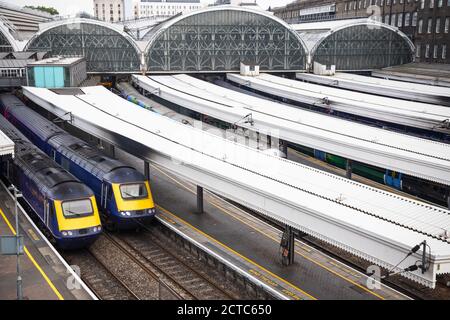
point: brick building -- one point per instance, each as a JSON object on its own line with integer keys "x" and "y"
{"x": 425, "y": 22}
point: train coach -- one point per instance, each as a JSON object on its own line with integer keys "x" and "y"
{"x": 123, "y": 194}
{"x": 63, "y": 205}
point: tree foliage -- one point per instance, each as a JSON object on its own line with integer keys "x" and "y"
{"x": 49, "y": 10}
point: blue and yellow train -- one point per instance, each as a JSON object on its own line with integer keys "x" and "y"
{"x": 123, "y": 193}
{"x": 64, "y": 206}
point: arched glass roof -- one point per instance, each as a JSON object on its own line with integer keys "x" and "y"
{"x": 105, "y": 46}
{"x": 7, "y": 41}
{"x": 219, "y": 38}
{"x": 356, "y": 44}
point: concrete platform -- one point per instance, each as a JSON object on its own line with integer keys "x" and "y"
{"x": 45, "y": 275}
{"x": 241, "y": 236}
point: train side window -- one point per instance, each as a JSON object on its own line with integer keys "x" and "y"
{"x": 65, "y": 163}
{"x": 53, "y": 154}
{"x": 109, "y": 194}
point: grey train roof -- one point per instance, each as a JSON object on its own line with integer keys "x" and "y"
{"x": 52, "y": 180}
{"x": 75, "y": 149}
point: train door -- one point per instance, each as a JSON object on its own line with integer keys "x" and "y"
{"x": 53, "y": 154}
{"x": 8, "y": 170}
{"x": 104, "y": 196}
{"x": 47, "y": 213}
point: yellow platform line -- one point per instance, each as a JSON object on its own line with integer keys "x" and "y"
{"x": 276, "y": 240}
{"x": 303, "y": 255}
{"x": 236, "y": 253}
{"x": 44, "y": 275}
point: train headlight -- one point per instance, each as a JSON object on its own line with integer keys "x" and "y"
{"x": 64, "y": 233}
{"x": 69, "y": 233}
{"x": 128, "y": 213}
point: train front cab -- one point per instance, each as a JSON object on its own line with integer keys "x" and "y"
{"x": 72, "y": 222}
{"x": 126, "y": 206}
{"x": 75, "y": 223}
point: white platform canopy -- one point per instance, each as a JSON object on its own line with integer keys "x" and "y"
{"x": 373, "y": 224}
{"x": 391, "y": 88}
{"x": 396, "y": 111}
{"x": 415, "y": 156}
{"x": 6, "y": 145}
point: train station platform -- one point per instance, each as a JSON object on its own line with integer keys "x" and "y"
{"x": 45, "y": 275}
{"x": 253, "y": 245}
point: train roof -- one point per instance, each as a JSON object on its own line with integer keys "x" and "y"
{"x": 71, "y": 147}
{"x": 92, "y": 159}
{"x": 51, "y": 179}
{"x": 124, "y": 175}
{"x": 42, "y": 127}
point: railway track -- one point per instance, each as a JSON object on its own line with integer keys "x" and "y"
{"x": 100, "y": 279}
{"x": 188, "y": 283}
{"x": 146, "y": 265}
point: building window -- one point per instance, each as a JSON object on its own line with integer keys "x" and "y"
{"x": 447, "y": 21}
{"x": 393, "y": 19}
{"x": 407, "y": 17}
{"x": 427, "y": 51}
{"x": 414, "y": 19}
{"x": 444, "y": 51}
{"x": 439, "y": 3}
{"x": 431, "y": 4}
{"x": 420, "y": 28}
{"x": 418, "y": 51}
{"x": 429, "y": 25}
{"x": 388, "y": 2}
{"x": 435, "y": 51}
{"x": 386, "y": 19}
{"x": 422, "y": 4}
{"x": 438, "y": 25}
{"x": 400, "y": 20}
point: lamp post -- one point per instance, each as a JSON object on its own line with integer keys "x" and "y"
{"x": 17, "y": 195}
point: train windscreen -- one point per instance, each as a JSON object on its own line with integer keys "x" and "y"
{"x": 77, "y": 208}
{"x": 133, "y": 191}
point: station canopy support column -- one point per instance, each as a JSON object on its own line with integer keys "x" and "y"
{"x": 199, "y": 199}
{"x": 287, "y": 246}
{"x": 348, "y": 167}
{"x": 147, "y": 170}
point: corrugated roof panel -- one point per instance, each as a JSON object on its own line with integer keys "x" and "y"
{"x": 415, "y": 114}
{"x": 13, "y": 63}
{"x": 345, "y": 199}
{"x": 6, "y": 145}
